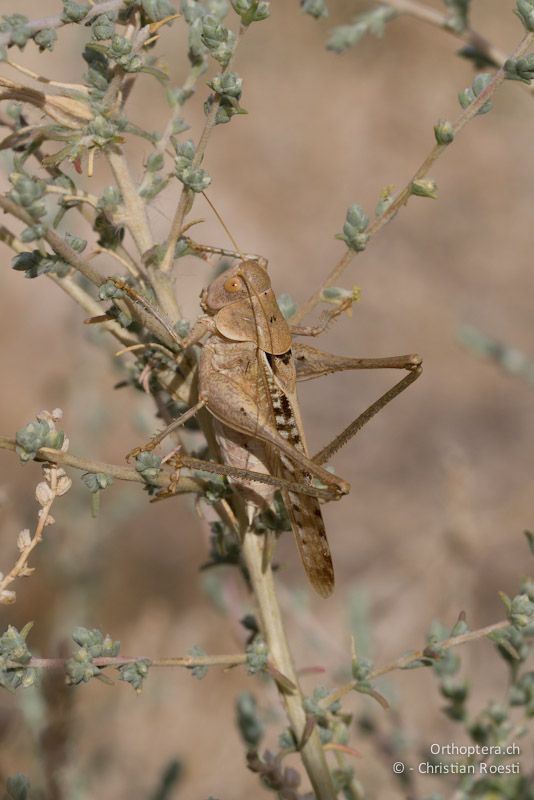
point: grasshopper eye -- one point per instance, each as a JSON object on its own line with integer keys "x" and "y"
{"x": 234, "y": 284}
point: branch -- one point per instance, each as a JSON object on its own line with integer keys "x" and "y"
{"x": 58, "y": 245}
{"x": 163, "y": 480}
{"x": 187, "y": 195}
{"x": 119, "y": 661}
{"x": 57, "y": 21}
{"x": 62, "y": 249}
{"x": 414, "y": 8}
{"x": 401, "y": 199}
{"x": 261, "y": 578}
{"x": 188, "y": 85}
{"x": 55, "y": 484}
{"x": 135, "y": 218}
{"x": 82, "y": 199}
{"x": 405, "y": 660}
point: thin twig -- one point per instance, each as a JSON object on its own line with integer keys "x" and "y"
{"x": 124, "y": 260}
{"x": 20, "y": 568}
{"x": 401, "y": 199}
{"x": 58, "y": 245}
{"x": 62, "y": 249}
{"x": 73, "y": 289}
{"x": 188, "y": 85}
{"x": 57, "y": 21}
{"x": 414, "y": 8}
{"x": 272, "y": 627}
{"x": 408, "y": 658}
{"x": 92, "y": 307}
{"x": 187, "y": 195}
{"x": 183, "y": 486}
{"x": 119, "y": 661}
{"x": 135, "y": 217}
{"x": 83, "y": 197}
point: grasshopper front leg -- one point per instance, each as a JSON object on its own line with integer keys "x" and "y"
{"x": 326, "y": 319}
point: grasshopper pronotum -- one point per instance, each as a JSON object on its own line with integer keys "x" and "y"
{"x": 247, "y": 377}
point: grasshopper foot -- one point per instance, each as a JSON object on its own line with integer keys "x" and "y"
{"x": 146, "y": 448}
{"x": 176, "y": 463}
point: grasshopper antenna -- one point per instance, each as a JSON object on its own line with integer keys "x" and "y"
{"x": 223, "y": 225}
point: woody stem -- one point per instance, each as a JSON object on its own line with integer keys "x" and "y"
{"x": 312, "y": 753}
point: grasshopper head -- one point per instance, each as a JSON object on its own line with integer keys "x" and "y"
{"x": 235, "y": 285}
{"x": 245, "y": 309}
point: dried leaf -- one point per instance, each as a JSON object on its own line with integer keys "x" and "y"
{"x": 43, "y": 493}
{"x": 65, "y": 110}
{"x": 24, "y": 539}
{"x": 63, "y": 485}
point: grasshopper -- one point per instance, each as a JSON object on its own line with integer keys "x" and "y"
{"x": 247, "y": 375}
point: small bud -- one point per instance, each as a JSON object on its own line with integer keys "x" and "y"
{"x": 357, "y": 217}
{"x": 220, "y": 41}
{"x": 251, "y": 10}
{"x": 194, "y": 178}
{"x": 229, "y": 85}
{"x": 525, "y": 12}
{"x": 257, "y": 655}
{"x": 354, "y": 230}
{"x": 468, "y": 96}
{"x": 315, "y": 8}
{"x": 157, "y": 10}
{"x": 18, "y": 787}
{"x": 182, "y": 328}
{"x": 286, "y": 305}
{"x": 96, "y": 481}
{"x": 250, "y": 726}
{"x": 110, "y": 291}
{"x": 373, "y": 21}
{"x": 148, "y": 465}
{"x": 103, "y": 28}
{"x": 29, "y": 678}
{"x": 521, "y": 611}
{"x": 76, "y": 242}
{"x": 154, "y": 162}
{"x": 200, "y": 670}
{"x": 45, "y": 39}
{"x": 443, "y": 132}
{"x": 186, "y": 150}
{"x": 385, "y": 201}
{"x": 74, "y": 12}
{"x": 33, "y": 233}
{"x": 460, "y": 627}
{"x": 425, "y": 187}
{"x": 135, "y": 673}
{"x": 337, "y": 294}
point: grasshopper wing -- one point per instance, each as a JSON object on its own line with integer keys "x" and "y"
{"x": 253, "y": 393}
{"x": 304, "y": 511}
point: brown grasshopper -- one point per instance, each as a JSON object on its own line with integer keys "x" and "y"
{"x": 247, "y": 378}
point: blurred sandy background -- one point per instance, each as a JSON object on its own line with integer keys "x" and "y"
{"x": 442, "y": 480}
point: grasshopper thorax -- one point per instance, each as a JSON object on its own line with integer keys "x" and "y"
{"x": 244, "y": 308}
